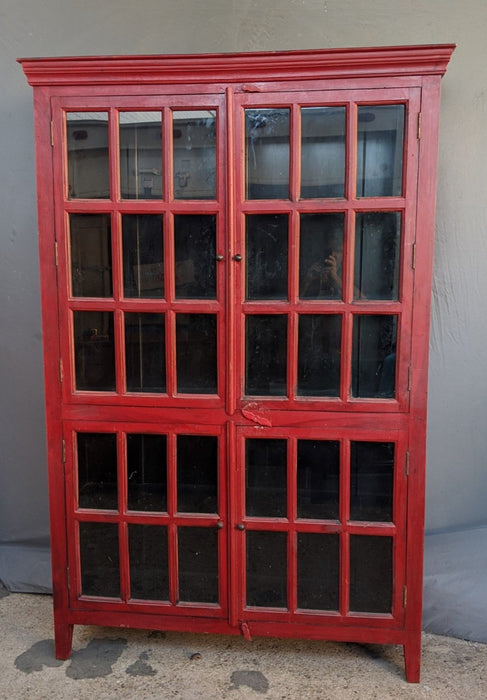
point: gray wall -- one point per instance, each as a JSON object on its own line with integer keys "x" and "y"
{"x": 457, "y": 477}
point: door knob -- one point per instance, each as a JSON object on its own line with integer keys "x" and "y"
{"x": 219, "y": 525}
{"x": 219, "y": 258}
{"x": 237, "y": 257}
{"x": 240, "y": 526}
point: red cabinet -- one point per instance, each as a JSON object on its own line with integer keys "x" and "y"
{"x": 236, "y": 263}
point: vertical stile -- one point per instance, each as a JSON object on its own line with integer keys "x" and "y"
{"x": 231, "y": 535}
{"x": 344, "y": 593}
{"x": 347, "y": 316}
{"x": 293, "y": 287}
{"x": 122, "y": 509}
{"x": 292, "y": 565}
{"x": 228, "y": 247}
{"x": 172, "y": 534}
{"x": 170, "y": 320}
{"x": 113, "y": 154}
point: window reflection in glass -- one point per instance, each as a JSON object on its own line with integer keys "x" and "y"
{"x": 266, "y": 256}
{"x": 267, "y": 153}
{"x": 97, "y": 471}
{"x": 319, "y": 354}
{"x": 147, "y": 472}
{"x": 145, "y": 352}
{"x": 380, "y": 150}
{"x": 322, "y": 152}
{"x": 196, "y": 346}
{"x": 374, "y": 356}
{"x": 198, "y": 564}
{"x": 140, "y": 155}
{"x": 91, "y": 255}
{"x": 377, "y": 251}
{"x": 318, "y": 571}
{"x": 143, "y": 262}
{"x": 94, "y": 350}
{"x": 266, "y": 569}
{"x": 148, "y": 559}
{"x": 370, "y": 574}
{"x": 266, "y": 344}
{"x": 318, "y": 479}
{"x": 99, "y": 558}
{"x": 371, "y": 481}
{"x": 87, "y": 142}
{"x": 321, "y": 256}
{"x": 197, "y": 473}
{"x": 266, "y": 478}
{"x": 195, "y": 253}
{"x": 194, "y": 153}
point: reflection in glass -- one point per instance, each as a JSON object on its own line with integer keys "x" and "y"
{"x": 318, "y": 571}
{"x": 87, "y": 141}
{"x": 140, "y": 155}
{"x": 91, "y": 255}
{"x": 194, "y": 143}
{"x": 380, "y": 150}
{"x": 266, "y": 343}
{"x": 265, "y": 478}
{"x": 99, "y": 558}
{"x": 322, "y": 152}
{"x": 318, "y": 479}
{"x": 266, "y": 256}
{"x": 146, "y": 472}
{"x": 374, "y": 356}
{"x": 94, "y": 350}
{"x": 321, "y": 256}
{"x": 371, "y": 481}
{"x": 142, "y": 245}
{"x": 197, "y": 473}
{"x": 196, "y": 353}
{"x": 148, "y": 557}
{"x": 267, "y": 153}
{"x": 198, "y": 564}
{"x": 97, "y": 471}
{"x": 377, "y": 249}
{"x": 195, "y": 252}
{"x": 370, "y": 574}
{"x": 319, "y": 355}
{"x": 266, "y": 569}
{"x": 145, "y": 354}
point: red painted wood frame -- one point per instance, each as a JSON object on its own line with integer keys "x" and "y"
{"x": 228, "y": 85}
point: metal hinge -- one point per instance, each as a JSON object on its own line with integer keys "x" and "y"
{"x": 52, "y": 133}
{"x": 56, "y": 255}
{"x": 419, "y": 125}
{"x": 413, "y": 256}
{"x": 404, "y": 596}
{"x": 406, "y": 466}
{"x": 63, "y": 451}
{"x": 410, "y": 377}
{"x": 61, "y": 370}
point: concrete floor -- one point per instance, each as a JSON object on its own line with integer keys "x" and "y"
{"x": 113, "y": 663}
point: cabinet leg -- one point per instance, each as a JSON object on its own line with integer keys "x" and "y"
{"x": 63, "y": 640}
{"x": 412, "y": 658}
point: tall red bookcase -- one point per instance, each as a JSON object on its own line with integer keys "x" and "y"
{"x": 236, "y": 256}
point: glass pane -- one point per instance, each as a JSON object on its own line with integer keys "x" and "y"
{"x": 195, "y": 253}
{"x": 197, "y": 475}
{"x": 148, "y": 562}
{"x": 266, "y": 350}
{"x": 198, "y": 564}
{"x": 196, "y": 353}
{"x": 371, "y": 481}
{"x": 266, "y": 256}
{"x": 265, "y": 478}
{"x": 88, "y": 172}
{"x": 322, "y": 152}
{"x": 97, "y": 471}
{"x": 91, "y": 255}
{"x": 318, "y": 571}
{"x": 194, "y": 140}
{"x": 377, "y": 250}
{"x": 140, "y": 155}
{"x": 318, "y": 479}
{"x": 145, "y": 353}
{"x": 267, "y": 569}
{"x": 147, "y": 472}
{"x": 94, "y": 350}
{"x": 321, "y": 256}
{"x": 319, "y": 355}
{"x": 374, "y": 356}
{"x": 380, "y": 150}
{"x": 100, "y": 570}
{"x": 267, "y": 153}
{"x": 143, "y": 268}
{"x": 370, "y": 574}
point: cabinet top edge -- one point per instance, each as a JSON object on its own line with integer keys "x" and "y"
{"x": 416, "y": 60}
